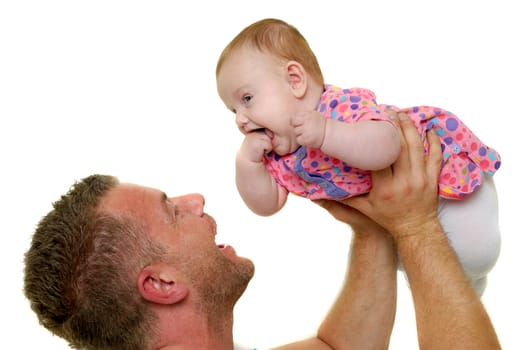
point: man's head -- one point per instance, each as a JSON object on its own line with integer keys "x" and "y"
{"x": 111, "y": 260}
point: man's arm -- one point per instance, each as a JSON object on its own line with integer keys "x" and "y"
{"x": 362, "y": 317}
{"x": 404, "y": 200}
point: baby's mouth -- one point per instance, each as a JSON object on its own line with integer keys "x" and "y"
{"x": 268, "y": 133}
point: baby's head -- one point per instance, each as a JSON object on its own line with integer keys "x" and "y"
{"x": 265, "y": 76}
{"x": 277, "y": 38}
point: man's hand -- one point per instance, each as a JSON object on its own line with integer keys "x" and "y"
{"x": 406, "y": 193}
{"x": 309, "y": 128}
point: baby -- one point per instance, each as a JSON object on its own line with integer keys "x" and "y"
{"x": 320, "y": 141}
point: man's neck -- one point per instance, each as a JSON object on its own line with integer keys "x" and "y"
{"x": 196, "y": 332}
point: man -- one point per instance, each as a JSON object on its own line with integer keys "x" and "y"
{"x": 120, "y": 266}
{"x": 449, "y": 314}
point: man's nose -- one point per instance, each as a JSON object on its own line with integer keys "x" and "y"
{"x": 192, "y": 203}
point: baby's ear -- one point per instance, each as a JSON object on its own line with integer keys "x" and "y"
{"x": 297, "y": 78}
{"x": 158, "y": 283}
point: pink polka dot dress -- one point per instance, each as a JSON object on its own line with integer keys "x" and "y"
{"x": 310, "y": 173}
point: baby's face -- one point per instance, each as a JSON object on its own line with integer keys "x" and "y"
{"x": 254, "y": 86}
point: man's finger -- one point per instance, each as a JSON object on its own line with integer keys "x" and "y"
{"x": 435, "y": 156}
{"x": 415, "y": 153}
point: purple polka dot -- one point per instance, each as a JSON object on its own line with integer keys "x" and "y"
{"x": 355, "y": 99}
{"x": 314, "y": 164}
{"x": 354, "y": 106}
{"x": 333, "y": 103}
{"x": 448, "y": 140}
{"x": 482, "y": 151}
{"x": 327, "y": 175}
{"x": 415, "y": 109}
{"x": 497, "y": 165}
{"x": 452, "y": 124}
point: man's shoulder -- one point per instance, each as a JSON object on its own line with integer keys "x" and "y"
{"x": 243, "y": 347}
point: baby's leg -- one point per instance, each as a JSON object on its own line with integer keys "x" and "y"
{"x": 472, "y": 228}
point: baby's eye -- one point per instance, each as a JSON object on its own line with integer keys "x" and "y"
{"x": 247, "y": 98}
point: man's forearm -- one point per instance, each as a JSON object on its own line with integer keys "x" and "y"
{"x": 362, "y": 317}
{"x": 449, "y": 313}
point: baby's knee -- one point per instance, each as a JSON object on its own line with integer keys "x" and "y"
{"x": 478, "y": 256}
{"x": 479, "y": 285}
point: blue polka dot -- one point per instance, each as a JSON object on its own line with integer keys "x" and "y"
{"x": 343, "y": 98}
{"x": 492, "y": 156}
{"x": 452, "y": 124}
{"x": 333, "y": 114}
{"x": 315, "y": 164}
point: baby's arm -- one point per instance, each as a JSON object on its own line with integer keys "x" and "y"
{"x": 365, "y": 144}
{"x": 257, "y": 187}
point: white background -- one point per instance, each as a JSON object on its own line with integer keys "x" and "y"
{"x": 128, "y": 88}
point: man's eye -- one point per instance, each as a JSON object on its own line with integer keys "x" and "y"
{"x": 247, "y": 98}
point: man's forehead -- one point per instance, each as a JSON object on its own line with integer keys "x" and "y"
{"x": 127, "y": 197}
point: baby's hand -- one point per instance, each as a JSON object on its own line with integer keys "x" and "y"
{"x": 309, "y": 128}
{"x": 255, "y": 145}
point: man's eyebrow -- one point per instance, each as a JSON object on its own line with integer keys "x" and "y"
{"x": 166, "y": 207}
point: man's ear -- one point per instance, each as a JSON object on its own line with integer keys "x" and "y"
{"x": 158, "y": 283}
{"x": 297, "y": 78}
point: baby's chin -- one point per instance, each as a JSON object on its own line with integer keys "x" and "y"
{"x": 283, "y": 151}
